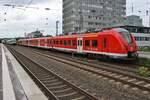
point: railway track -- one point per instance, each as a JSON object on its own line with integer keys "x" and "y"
{"x": 122, "y": 66}
{"x": 54, "y": 86}
{"x": 126, "y": 67}
{"x": 127, "y": 79}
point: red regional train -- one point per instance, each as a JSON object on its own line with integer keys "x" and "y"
{"x": 115, "y": 43}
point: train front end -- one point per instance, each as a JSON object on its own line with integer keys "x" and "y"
{"x": 128, "y": 42}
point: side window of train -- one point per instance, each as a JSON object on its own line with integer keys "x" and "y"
{"x": 65, "y": 42}
{"x": 74, "y": 42}
{"x": 56, "y": 41}
{"x": 87, "y": 43}
{"x": 69, "y": 42}
{"x": 60, "y": 42}
{"x": 105, "y": 42}
{"x": 94, "y": 43}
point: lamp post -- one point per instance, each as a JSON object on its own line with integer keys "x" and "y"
{"x": 149, "y": 17}
{"x": 57, "y": 22}
{"x": 147, "y": 14}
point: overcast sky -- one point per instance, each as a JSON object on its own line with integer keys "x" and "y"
{"x": 21, "y": 20}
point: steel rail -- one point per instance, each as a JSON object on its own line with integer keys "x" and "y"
{"x": 48, "y": 92}
{"x": 101, "y": 71}
{"x": 96, "y": 66}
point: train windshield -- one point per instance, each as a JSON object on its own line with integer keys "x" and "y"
{"x": 125, "y": 34}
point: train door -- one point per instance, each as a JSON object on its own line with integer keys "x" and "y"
{"x": 80, "y": 45}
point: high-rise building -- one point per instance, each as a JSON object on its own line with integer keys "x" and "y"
{"x": 88, "y": 15}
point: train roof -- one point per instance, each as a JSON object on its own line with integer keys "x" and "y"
{"x": 35, "y": 38}
{"x": 90, "y": 34}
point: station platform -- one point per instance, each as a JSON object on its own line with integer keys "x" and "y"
{"x": 15, "y": 83}
{"x": 144, "y": 55}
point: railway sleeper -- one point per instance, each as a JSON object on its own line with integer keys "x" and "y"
{"x": 54, "y": 84}
{"x": 74, "y": 97}
{"x": 69, "y": 96}
{"x": 43, "y": 74}
{"x": 63, "y": 92}
{"x": 47, "y": 78}
{"x": 147, "y": 85}
{"x": 125, "y": 78}
{"x": 113, "y": 74}
{"x": 108, "y": 73}
{"x": 139, "y": 82}
{"x": 59, "y": 87}
{"x": 79, "y": 98}
{"x": 50, "y": 81}
{"x": 131, "y": 80}
{"x": 119, "y": 76}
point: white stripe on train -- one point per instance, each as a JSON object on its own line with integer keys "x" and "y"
{"x": 86, "y": 51}
{"x": 94, "y": 52}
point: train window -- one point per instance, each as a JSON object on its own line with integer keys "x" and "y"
{"x": 94, "y": 43}
{"x": 61, "y": 42}
{"x": 69, "y": 42}
{"x": 87, "y": 43}
{"x": 125, "y": 34}
{"x": 105, "y": 42}
{"x": 65, "y": 42}
{"x": 57, "y": 42}
{"x": 74, "y": 42}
